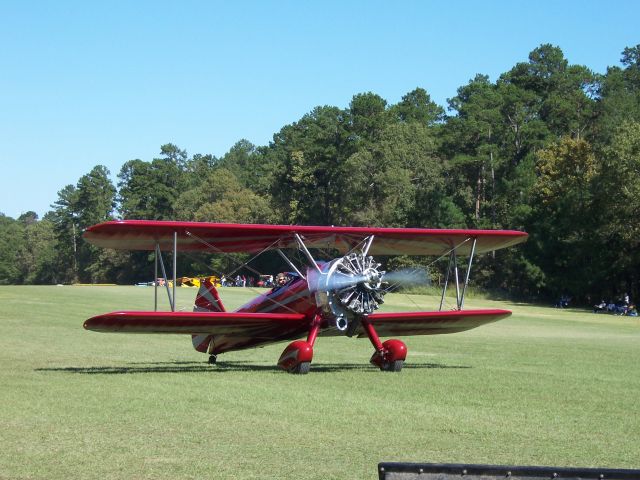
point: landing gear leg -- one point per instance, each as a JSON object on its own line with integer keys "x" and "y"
{"x": 213, "y": 359}
{"x": 297, "y": 357}
{"x": 390, "y": 355}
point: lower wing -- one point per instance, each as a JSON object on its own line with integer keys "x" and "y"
{"x": 242, "y": 330}
{"x": 230, "y": 330}
{"x": 433, "y": 323}
{"x": 213, "y": 323}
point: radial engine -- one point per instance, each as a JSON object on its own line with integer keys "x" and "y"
{"x": 349, "y": 287}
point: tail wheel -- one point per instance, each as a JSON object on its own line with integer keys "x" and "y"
{"x": 394, "y": 366}
{"x": 301, "y": 368}
{"x": 213, "y": 359}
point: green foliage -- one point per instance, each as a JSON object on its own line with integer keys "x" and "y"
{"x": 549, "y": 147}
{"x": 620, "y": 180}
{"x": 619, "y": 96}
{"x": 616, "y": 206}
{"x": 221, "y": 198}
{"x": 149, "y": 190}
{"x": 563, "y": 214}
{"x": 565, "y": 172}
{"x": 67, "y": 232}
{"x": 368, "y": 115}
{"x": 396, "y": 181}
{"x": 309, "y": 156}
{"x": 37, "y": 256}
{"x": 91, "y": 201}
{"x": 566, "y": 91}
{"x": 417, "y": 106}
{"x": 250, "y": 166}
{"x": 10, "y": 235}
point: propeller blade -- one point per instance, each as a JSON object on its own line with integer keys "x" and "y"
{"x": 407, "y": 276}
{"x": 340, "y": 281}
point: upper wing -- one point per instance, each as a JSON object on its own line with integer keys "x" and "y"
{"x": 221, "y": 237}
{"x": 433, "y": 323}
{"x": 230, "y": 330}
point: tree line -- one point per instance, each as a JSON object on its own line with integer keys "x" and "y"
{"x": 550, "y": 147}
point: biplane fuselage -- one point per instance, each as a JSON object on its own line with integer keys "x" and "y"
{"x": 336, "y": 297}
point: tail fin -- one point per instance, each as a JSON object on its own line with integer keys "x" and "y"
{"x": 207, "y": 300}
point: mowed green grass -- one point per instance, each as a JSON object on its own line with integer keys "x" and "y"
{"x": 545, "y": 387}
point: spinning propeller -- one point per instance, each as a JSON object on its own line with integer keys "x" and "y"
{"x": 356, "y": 282}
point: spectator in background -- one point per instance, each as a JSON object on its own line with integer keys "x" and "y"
{"x": 600, "y": 307}
{"x": 563, "y": 302}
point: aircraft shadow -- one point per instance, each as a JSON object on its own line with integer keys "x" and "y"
{"x": 223, "y": 367}
{"x": 365, "y": 367}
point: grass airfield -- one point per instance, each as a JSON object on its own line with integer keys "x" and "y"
{"x": 544, "y": 387}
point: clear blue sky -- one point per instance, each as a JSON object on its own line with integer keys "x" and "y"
{"x": 84, "y": 83}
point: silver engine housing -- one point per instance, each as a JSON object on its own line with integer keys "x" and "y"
{"x": 351, "y": 286}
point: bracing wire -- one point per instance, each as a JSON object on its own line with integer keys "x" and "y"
{"x": 244, "y": 265}
{"x": 395, "y": 286}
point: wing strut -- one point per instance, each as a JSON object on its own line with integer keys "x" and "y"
{"x": 466, "y": 279}
{"x": 303, "y": 247}
{"x": 158, "y": 257}
{"x": 155, "y": 278}
{"x": 446, "y": 281}
{"x": 453, "y": 266}
{"x": 175, "y": 268}
{"x": 367, "y": 245}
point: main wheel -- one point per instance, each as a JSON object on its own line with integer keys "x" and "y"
{"x": 213, "y": 359}
{"x": 394, "y": 366}
{"x": 301, "y": 369}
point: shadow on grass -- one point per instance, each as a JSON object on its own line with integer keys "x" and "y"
{"x": 223, "y": 367}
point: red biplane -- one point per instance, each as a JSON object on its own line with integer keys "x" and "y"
{"x": 324, "y": 298}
